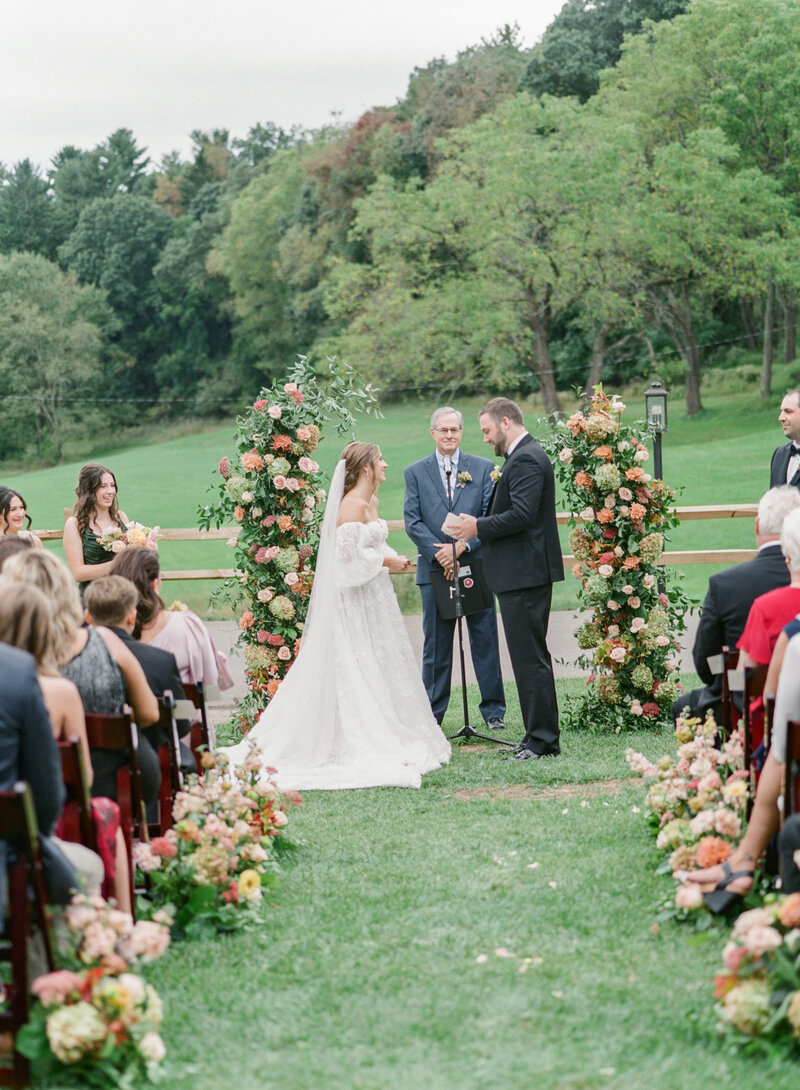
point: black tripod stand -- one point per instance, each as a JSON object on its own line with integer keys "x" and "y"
{"x": 466, "y": 731}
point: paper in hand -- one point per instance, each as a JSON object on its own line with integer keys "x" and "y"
{"x": 450, "y": 524}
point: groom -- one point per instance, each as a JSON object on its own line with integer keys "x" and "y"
{"x": 424, "y": 510}
{"x": 522, "y": 560}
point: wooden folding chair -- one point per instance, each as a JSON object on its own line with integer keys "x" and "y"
{"x": 169, "y": 756}
{"x": 791, "y": 772}
{"x": 117, "y": 732}
{"x": 201, "y": 737}
{"x": 77, "y": 823}
{"x": 26, "y": 892}
{"x": 729, "y": 718}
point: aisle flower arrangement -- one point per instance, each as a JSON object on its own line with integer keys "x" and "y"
{"x": 758, "y": 990}
{"x": 696, "y": 802}
{"x": 271, "y": 490}
{"x": 619, "y": 515}
{"x": 96, "y": 1021}
{"x": 209, "y": 871}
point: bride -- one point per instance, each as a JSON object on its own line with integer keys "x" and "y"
{"x": 352, "y": 710}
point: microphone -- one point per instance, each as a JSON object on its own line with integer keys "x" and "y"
{"x": 448, "y": 465}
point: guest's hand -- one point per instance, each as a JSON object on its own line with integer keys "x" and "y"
{"x": 466, "y": 528}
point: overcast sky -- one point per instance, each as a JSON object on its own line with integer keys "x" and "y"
{"x": 73, "y": 71}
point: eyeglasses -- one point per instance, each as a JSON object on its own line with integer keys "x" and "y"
{"x": 448, "y": 431}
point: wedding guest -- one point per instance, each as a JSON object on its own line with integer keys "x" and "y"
{"x": 771, "y": 611}
{"x": 105, "y": 672}
{"x": 13, "y": 513}
{"x": 111, "y": 601}
{"x": 26, "y": 622}
{"x": 785, "y": 465}
{"x": 730, "y": 595}
{"x": 728, "y": 882}
{"x": 96, "y": 513}
{"x": 28, "y": 752}
{"x": 178, "y": 631}
{"x": 522, "y": 560}
{"x": 10, "y": 546}
{"x": 425, "y": 508}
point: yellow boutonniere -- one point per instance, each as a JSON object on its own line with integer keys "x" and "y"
{"x": 496, "y": 474}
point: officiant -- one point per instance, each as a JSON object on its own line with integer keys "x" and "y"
{"x": 425, "y": 509}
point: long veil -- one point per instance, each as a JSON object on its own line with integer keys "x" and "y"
{"x": 301, "y": 706}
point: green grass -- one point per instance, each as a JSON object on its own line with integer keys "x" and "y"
{"x": 366, "y": 974}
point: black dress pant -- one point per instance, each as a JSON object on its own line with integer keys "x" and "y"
{"x": 525, "y": 616}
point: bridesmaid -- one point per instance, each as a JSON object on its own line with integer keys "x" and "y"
{"x": 96, "y": 513}
{"x": 13, "y": 512}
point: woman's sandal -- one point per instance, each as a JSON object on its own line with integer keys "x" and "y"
{"x": 720, "y": 899}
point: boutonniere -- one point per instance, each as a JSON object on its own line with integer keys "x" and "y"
{"x": 496, "y": 474}
{"x": 463, "y": 478}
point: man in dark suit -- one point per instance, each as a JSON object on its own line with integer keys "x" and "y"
{"x": 111, "y": 602}
{"x": 730, "y": 595}
{"x": 425, "y": 509}
{"x": 785, "y": 466}
{"x": 28, "y": 752}
{"x": 522, "y": 560}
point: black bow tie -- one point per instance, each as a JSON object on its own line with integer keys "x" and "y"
{"x": 795, "y": 450}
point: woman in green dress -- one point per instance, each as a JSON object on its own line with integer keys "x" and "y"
{"x": 96, "y": 513}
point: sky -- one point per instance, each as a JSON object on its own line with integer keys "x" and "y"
{"x": 74, "y": 71}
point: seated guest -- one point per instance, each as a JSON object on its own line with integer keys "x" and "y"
{"x": 26, "y": 623}
{"x": 13, "y": 514}
{"x": 10, "y": 546}
{"x": 771, "y": 611}
{"x": 729, "y": 881}
{"x": 730, "y": 595}
{"x": 111, "y": 601}
{"x": 179, "y": 631}
{"x": 28, "y": 752}
{"x": 105, "y": 672}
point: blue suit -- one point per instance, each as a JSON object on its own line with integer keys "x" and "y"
{"x": 424, "y": 510}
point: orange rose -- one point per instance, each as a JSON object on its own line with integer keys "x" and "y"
{"x": 789, "y": 912}
{"x": 583, "y": 480}
{"x": 603, "y": 452}
{"x": 631, "y": 562}
{"x": 605, "y": 515}
{"x": 712, "y": 850}
{"x": 634, "y": 474}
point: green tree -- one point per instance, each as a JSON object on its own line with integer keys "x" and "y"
{"x": 116, "y": 244}
{"x": 51, "y": 354}
{"x": 26, "y": 211}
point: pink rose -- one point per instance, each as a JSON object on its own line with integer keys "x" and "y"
{"x": 689, "y": 896}
{"x": 225, "y": 467}
{"x": 284, "y": 654}
{"x": 625, "y": 494}
{"x": 618, "y": 654}
{"x": 290, "y": 387}
{"x": 163, "y": 846}
{"x": 308, "y": 465}
{"x": 634, "y": 601}
{"x": 760, "y": 939}
{"x": 53, "y": 988}
{"x": 293, "y": 484}
{"x": 275, "y": 412}
{"x": 605, "y": 570}
{"x": 627, "y": 589}
{"x": 263, "y": 635}
{"x": 279, "y": 482}
{"x": 259, "y": 406}
{"x": 266, "y": 594}
{"x": 612, "y": 605}
{"x": 303, "y": 433}
{"x": 637, "y": 624}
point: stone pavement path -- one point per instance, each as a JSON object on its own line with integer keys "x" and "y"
{"x": 560, "y": 640}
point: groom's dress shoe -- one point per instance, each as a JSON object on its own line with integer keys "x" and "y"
{"x": 524, "y": 754}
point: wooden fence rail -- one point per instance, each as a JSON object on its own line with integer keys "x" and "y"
{"x": 685, "y": 514}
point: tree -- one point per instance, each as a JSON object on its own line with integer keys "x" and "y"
{"x": 115, "y": 245}
{"x": 117, "y": 165}
{"x": 586, "y": 37}
{"x": 26, "y": 211}
{"x": 51, "y": 353}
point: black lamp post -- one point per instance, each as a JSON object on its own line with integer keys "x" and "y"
{"x": 655, "y": 407}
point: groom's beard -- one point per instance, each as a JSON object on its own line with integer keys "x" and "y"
{"x": 500, "y": 446}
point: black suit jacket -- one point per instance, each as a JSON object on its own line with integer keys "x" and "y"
{"x": 727, "y": 603}
{"x": 519, "y": 534}
{"x": 162, "y": 673}
{"x": 777, "y": 469}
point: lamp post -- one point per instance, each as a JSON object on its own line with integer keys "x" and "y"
{"x": 655, "y": 408}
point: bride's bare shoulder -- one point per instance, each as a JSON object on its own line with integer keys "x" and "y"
{"x": 352, "y": 509}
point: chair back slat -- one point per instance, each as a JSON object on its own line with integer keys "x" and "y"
{"x": 78, "y": 824}
{"x": 791, "y": 771}
{"x": 201, "y": 735}
{"x": 754, "y": 680}
{"x": 169, "y": 756}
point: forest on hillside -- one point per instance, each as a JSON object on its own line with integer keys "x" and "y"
{"x": 622, "y": 198}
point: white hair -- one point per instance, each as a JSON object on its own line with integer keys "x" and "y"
{"x": 790, "y": 539}
{"x": 446, "y": 409}
{"x": 774, "y": 506}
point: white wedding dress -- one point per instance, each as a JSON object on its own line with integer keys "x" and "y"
{"x": 352, "y": 710}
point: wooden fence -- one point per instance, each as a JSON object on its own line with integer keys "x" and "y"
{"x": 685, "y": 514}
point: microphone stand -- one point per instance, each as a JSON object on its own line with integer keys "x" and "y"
{"x": 466, "y": 731}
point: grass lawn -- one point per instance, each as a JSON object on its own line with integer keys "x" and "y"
{"x": 721, "y": 456}
{"x": 378, "y": 967}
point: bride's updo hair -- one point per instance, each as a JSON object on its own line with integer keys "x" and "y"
{"x": 356, "y": 456}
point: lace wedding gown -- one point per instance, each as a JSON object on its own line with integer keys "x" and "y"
{"x": 352, "y": 710}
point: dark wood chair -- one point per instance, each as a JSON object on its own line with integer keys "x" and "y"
{"x": 201, "y": 734}
{"x": 77, "y": 823}
{"x": 791, "y": 772}
{"x": 27, "y": 901}
{"x": 117, "y": 732}
{"x": 169, "y": 756}
{"x": 729, "y": 717}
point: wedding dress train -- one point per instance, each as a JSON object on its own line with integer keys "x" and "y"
{"x": 352, "y": 710}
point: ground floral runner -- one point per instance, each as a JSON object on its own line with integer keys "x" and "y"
{"x": 273, "y": 489}
{"x": 630, "y": 645}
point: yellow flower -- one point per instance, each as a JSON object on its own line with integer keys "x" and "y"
{"x": 249, "y": 884}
